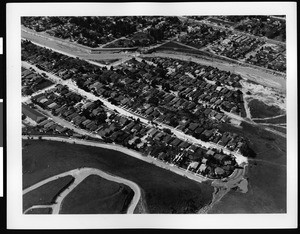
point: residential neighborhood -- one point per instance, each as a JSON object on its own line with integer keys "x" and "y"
{"x": 115, "y": 128}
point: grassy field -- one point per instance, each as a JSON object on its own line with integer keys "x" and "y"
{"x": 47, "y": 193}
{"x": 40, "y": 211}
{"x": 96, "y": 195}
{"x": 164, "y": 191}
{"x": 259, "y": 109}
{"x": 266, "y": 176}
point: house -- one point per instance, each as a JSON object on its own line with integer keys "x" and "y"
{"x": 193, "y": 148}
{"x": 204, "y": 160}
{"x": 193, "y": 165}
{"x": 96, "y": 111}
{"x": 86, "y": 122}
{"x": 220, "y": 157}
{"x": 193, "y": 126}
{"x": 199, "y": 130}
{"x": 219, "y": 116}
{"x": 184, "y": 145}
{"x": 207, "y": 111}
{"x": 175, "y": 142}
{"x": 129, "y": 126}
{"x": 161, "y": 156}
{"x": 49, "y": 125}
{"x": 210, "y": 152}
{"x": 219, "y": 171}
{"x": 159, "y": 136}
{"x": 225, "y": 139}
{"x": 44, "y": 122}
{"x": 53, "y": 106}
{"x": 208, "y": 133}
{"x": 43, "y": 100}
{"x": 136, "y": 128}
{"x": 202, "y": 168}
{"x": 152, "y": 132}
{"x": 123, "y": 121}
{"x": 59, "y": 128}
{"x": 103, "y": 132}
{"x": 149, "y": 111}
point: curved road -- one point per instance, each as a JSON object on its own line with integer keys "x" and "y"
{"x": 80, "y": 174}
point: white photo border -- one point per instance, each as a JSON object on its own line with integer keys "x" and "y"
{"x": 17, "y": 220}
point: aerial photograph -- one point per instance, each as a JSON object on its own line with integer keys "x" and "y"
{"x": 162, "y": 114}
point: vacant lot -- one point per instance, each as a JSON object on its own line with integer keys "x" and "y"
{"x": 259, "y": 109}
{"x": 96, "y": 195}
{"x": 266, "y": 175}
{"x": 47, "y": 193}
{"x": 164, "y": 191}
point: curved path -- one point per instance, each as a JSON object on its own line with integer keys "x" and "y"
{"x": 80, "y": 174}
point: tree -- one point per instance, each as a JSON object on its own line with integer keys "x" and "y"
{"x": 173, "y": 122}
{"x": 153, "y": 100}
{"x": 167, "y": 130}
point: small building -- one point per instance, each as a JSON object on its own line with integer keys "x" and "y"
{"x": 32, "y": 114}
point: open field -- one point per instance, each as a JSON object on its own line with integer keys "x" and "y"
{"x": 259, "y": 109}
{"x": 46, "y": 194}
{"x": 95, "y": 195}
{"x": 165, "y": 192}
{"x": 276, "y": 120}
{"x": 266, "y": 176}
